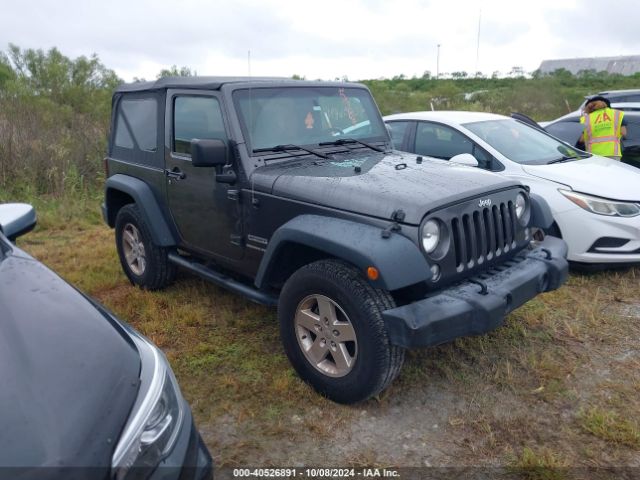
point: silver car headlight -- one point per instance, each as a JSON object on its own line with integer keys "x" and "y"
{"x": 522, "y": 208}
{"x": 156, "y": 417}
{"x": 431, "y": 234}
{"x": 602, "y": 206}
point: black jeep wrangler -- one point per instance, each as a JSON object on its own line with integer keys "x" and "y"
{"x": 289, "y": 193}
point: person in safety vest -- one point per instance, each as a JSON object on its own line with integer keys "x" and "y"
{"x": 604, "y": 128}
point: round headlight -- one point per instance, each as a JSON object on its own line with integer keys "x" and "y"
{"x": 430, "y": 236}
{"x": 521, "y": 206}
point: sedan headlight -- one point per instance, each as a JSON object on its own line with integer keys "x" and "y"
{"x": 154, "y": 422}
{"x": 602, "y": 206}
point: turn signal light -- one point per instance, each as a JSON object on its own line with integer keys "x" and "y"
{"x": 373, "y": 273}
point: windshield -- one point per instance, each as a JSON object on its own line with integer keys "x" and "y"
{"x": 521, "y": 143}
{"x": 307, "y": 116}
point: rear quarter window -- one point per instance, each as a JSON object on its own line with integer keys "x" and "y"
{"x": 135, "y": 130}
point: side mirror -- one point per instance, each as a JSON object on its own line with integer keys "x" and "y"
{"x": 16, "y": 219}
{"x": 465, "y": 159}
{"x": 208, "y": 153}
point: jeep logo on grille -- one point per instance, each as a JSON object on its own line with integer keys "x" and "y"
{"x": 484, "y": 203}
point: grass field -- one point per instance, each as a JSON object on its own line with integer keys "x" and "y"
{"x": 558, "y": 386}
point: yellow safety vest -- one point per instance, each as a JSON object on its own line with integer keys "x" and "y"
{"x": 602, "y": 132}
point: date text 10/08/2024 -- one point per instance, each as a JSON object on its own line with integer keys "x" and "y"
{"x": 317, "y": 473}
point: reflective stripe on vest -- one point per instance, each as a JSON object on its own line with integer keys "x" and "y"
{"x": 606, "y": 125}
{"x": 617, "y": 121}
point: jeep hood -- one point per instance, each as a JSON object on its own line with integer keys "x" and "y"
{"x": 69, "y": 375}
{"x": 595, "y": 175}
{"x": 386, "y": 182}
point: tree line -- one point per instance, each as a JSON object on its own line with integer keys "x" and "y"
{"x": 55, "y": 111}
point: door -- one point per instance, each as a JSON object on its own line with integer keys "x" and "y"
{"x": 441, "y": 141}
{"x": 206, "y": 213}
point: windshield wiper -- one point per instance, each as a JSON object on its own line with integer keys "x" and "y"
{"x": 289, "y": 146}
{"x": 345, "y": 141}
{"x": 564, "y": 158}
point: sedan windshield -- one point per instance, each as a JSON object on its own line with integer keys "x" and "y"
{"x": 523, "y": 144}
{"x": 278, "y": 117}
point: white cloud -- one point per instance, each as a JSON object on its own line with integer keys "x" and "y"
{"x": 359, "y": 39}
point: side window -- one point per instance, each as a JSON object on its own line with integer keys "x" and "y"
{"x": 196, "y": 117}
{"x": 569, "y": 132}
{"x": 440, "y": 141}
{"x": 633, "y": 129}
{"x": 137, "y": 124}
{"x": 626, "y": 98}
{"x": 398, "y": 132}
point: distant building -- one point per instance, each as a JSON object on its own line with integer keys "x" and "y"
{"x": 623, "y": 65}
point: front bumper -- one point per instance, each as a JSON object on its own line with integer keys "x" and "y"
{"x": 189, "y": 459}
{"x": 581, "y": 229}
{"x": 479, "y": 304}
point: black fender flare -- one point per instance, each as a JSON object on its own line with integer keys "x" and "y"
{"x": 146, "y": 201}
{"x": 541, "y": 215}
{"x": 399, "y": 261}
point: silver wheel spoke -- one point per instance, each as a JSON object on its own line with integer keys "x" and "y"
{"x": 129, "y": 256}
{"x": 327, "y": 309}
{"x": 342, "y": 358}
{"x": 346, "y": 332}
{"x": 307, "y": 319}
{"x": 128, "y": 237}
{"x": 318, "y": 351}
{"x": 141, "y": 263}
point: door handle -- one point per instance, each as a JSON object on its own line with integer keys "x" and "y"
{"x": 175, "y": 173}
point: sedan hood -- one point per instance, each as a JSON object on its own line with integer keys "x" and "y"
{"x": 377, "y": 184}
{"x": 595, "y": 175}
{"x": 69, "y": 375}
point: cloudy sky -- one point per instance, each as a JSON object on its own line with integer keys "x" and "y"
{"x": 359, "y": 39}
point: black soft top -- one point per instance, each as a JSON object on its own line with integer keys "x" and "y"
{"x": 214, "y": 83}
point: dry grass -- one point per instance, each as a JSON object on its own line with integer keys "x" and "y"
{"x": 557, "y": 386}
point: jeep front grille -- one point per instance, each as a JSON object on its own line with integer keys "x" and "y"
{"x": 483, "y": 234}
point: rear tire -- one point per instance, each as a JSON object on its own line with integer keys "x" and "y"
{"x": 333, "y": 333}
{"x": 145, "y": 263}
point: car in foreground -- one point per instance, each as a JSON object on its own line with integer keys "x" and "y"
{"x": 289, "y": 193}
{"x": 595, "y": 201}
{"x": 83, "y": 394}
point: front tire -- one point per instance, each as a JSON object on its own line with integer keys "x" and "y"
{"x": 145, "y": 263}
{"x": 333, "y": 332}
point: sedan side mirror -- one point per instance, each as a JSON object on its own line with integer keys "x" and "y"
{"x": 16, "y": 219}
{"x": 465, "y": 159}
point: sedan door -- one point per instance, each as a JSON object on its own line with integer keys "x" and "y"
{"x": 444, "y": 142}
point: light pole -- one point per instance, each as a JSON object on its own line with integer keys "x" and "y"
{"x": 438, "y": 63}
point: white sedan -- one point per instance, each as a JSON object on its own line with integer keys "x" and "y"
{"x": 595, "y": 201}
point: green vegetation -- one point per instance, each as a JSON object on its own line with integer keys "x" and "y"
{"x": 542, "y": 97}
{"x": 54, "y": 111}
